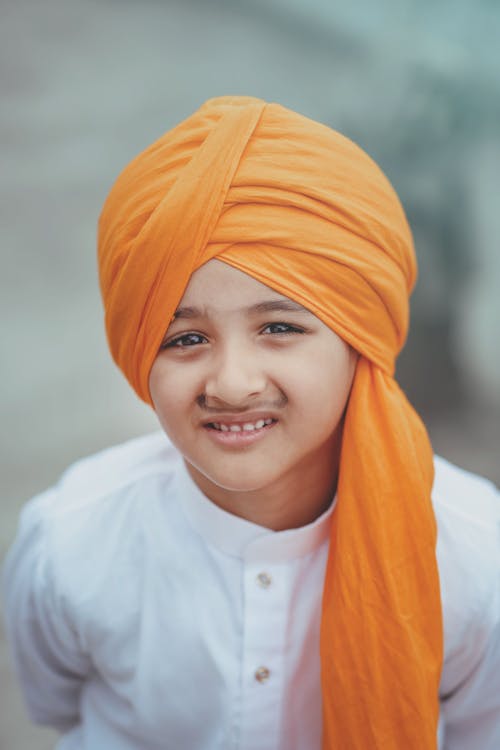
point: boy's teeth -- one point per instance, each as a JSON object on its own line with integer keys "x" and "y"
{"x": 246, "y": 427}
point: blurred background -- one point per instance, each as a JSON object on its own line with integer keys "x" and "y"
{"x": 86, "y": 84}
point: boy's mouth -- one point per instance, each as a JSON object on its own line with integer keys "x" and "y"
{"x": 240, "y": 426}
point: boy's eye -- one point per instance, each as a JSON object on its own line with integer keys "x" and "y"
{"x": 283, "y": 328}
{"x": 187, "y": 339}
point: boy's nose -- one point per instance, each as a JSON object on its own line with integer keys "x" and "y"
{"x": 236, "y": 378}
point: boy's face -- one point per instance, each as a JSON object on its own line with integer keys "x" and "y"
{"x": 250, "y": 386}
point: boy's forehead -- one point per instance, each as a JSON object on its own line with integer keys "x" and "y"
{"x": 280, "y": 304}
{"x": 217, "y": 286}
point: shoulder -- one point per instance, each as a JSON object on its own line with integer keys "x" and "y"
{"x": 92, "y": 525}
{"x": 103, "y": 487}
{"x": 113, "y": 469}
{"x": 467, "y": 510}
{"x": 466, "y": 493}
{"x": 102, "y": 479}
{"x": 99, "y": 492}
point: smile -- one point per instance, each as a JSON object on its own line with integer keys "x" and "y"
{"x": 239, "y": 435}
{"x": 241, "y": 427}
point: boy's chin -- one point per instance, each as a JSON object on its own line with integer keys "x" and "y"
{"x": 228, "y": 481}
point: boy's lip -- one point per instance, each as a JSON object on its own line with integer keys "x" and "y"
{"x": 239, "y": 431}
{"x": 239, "y": 419}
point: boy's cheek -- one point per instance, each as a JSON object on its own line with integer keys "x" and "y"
{"x": 166, "y": 383}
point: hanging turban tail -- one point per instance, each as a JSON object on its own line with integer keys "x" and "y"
{"x": 302, "y": 209}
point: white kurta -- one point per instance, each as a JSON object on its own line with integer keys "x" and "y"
{"x": 143, "y": 617}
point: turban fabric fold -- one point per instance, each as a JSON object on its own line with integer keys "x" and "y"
{"x": 302, "y": 209}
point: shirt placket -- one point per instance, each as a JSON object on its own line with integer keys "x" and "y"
{"x": 265, "y": 615}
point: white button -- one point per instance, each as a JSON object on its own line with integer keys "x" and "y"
{"x": 264, "y": 580}
{"x": 262, "y": 674}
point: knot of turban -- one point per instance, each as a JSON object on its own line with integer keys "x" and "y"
{"x": 304, "y": 210}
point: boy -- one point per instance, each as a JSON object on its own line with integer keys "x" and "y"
{"x": 269, "y": 579}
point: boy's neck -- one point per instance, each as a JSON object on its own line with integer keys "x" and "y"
{"x": 296, "y": 499}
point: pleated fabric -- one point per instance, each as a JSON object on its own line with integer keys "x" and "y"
{"x": 304, "y": 210}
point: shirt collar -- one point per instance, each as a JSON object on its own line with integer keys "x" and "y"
{"x": 241, "y": 538}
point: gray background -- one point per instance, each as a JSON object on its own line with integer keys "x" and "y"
{"x": 85, "y": 85}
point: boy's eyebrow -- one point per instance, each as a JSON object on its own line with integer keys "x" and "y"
{"x": 279, "y": 305}
{"x": 274, "y": 305}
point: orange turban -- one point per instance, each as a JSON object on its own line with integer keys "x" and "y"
{"x": 302, "y": 209}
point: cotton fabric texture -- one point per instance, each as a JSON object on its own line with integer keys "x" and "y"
{"x": 305, "y": 211}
